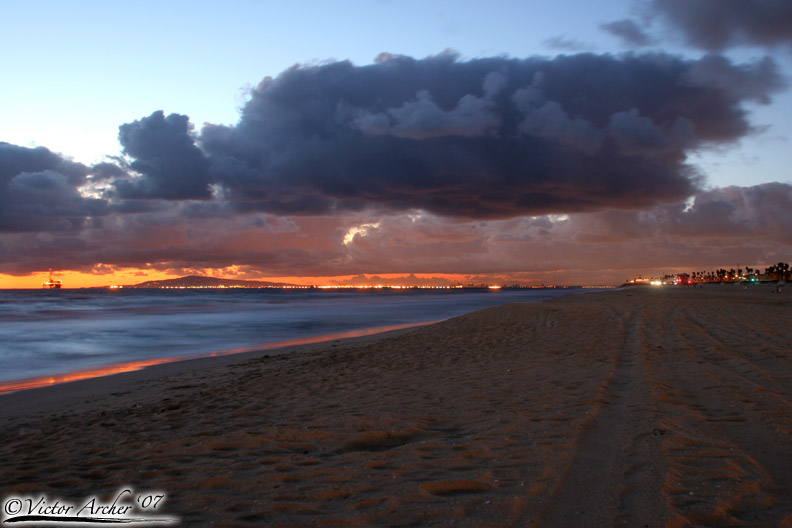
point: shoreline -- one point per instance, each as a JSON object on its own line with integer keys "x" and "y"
{"x": 60, "y": 346}
{"x": 657, "y": 407}
{"x": 49, "y": 397}
{"x": 98, "y": 381}
{"x": 277, "y": 347}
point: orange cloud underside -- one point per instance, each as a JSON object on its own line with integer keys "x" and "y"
{"x": 75, "y": 279}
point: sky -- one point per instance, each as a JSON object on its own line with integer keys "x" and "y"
{"x": 566, "y": 142}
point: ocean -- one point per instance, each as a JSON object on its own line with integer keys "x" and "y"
{"x": 50, "y": 332}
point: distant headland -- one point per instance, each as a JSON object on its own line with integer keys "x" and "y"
{"x": 197, "y": 281}
{"x": 201, "y": 282}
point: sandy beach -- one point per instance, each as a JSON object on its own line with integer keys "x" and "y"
{"x": 641, "y": 408}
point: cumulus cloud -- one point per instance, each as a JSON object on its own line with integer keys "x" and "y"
{"x": 15, "y": 160}
{"x": 548, "y": 120}
{"x": 431, "y": 165}
{"x": 39, "y": 191}
{"x": 164, "y": 154}
{"x": 423, "y": 118}
{"x": 485, "y": 138}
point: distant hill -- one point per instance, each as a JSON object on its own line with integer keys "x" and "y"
{"x": 195, "y": 281}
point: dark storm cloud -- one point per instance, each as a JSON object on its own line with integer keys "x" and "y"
{"x": 486, "y": 138}
{"x": 718, "y": 24}
{"x": 15, "y": 160}
{"x": 165, "y": 156}
{"x": 38, "y": 191}
{"x": 340, "y": 146}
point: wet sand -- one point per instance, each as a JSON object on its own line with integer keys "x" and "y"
{"x": 640, "y": 408}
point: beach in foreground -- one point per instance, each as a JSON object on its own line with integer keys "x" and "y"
{"x": 640, "y": 407}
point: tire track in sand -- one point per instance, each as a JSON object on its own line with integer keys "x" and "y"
{"x": 721, "y": 471}
{"x": 613, "y": 478}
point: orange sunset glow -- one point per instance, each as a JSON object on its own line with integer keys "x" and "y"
{"x": 77, "y": 279}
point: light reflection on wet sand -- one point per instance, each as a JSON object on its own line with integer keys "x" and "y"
{"x": 117, "y": 368}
